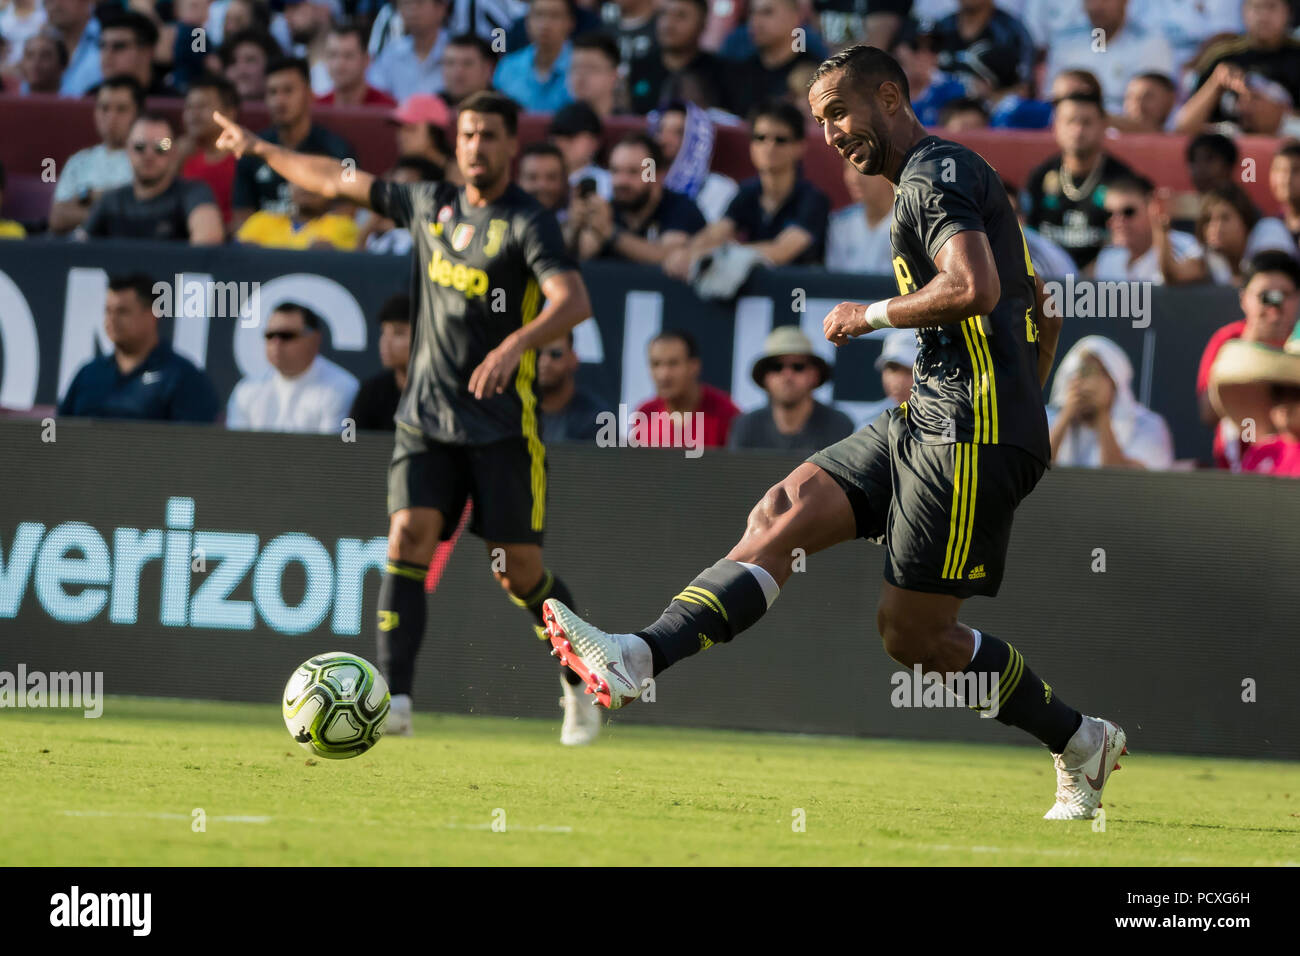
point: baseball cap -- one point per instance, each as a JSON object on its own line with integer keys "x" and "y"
{"x": 899, "y": 349}
{"x": 422, "y": 108}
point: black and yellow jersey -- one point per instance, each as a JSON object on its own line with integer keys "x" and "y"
{"x": 977, "y": 380}
{"x": 476, "y": 278}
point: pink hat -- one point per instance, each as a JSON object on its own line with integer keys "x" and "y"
{"x": 422, "y": 108}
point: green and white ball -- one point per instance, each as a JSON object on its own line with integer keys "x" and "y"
{"x": 336, "y": 705}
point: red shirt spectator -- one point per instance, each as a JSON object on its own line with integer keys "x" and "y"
{"x": 716, "y": 407}
{"x": 372, "y": 97}
{"x": 1225, "y": 451}
{"x": 219, "y": 175}
{"x": 1278, "y": 455}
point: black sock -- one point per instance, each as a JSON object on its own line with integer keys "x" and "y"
{"x": 720, "y": 603}
{"x": 1023, "y": 699}
{"x": 550, "y": 587}
{"x": 401, "y": 623}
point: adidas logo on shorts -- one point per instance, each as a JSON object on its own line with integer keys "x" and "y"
{"x": 976, "y": 572}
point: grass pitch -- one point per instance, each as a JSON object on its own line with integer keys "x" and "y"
{"x": 123, "y": 790}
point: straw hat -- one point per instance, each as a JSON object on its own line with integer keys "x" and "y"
{"x": 1243, "y": 373}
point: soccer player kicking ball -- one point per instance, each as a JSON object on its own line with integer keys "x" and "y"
{"x": 488, "y": 254}
{"x": 937, "y": 481}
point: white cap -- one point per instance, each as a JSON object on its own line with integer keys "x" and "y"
{"x": 899, "y": 349}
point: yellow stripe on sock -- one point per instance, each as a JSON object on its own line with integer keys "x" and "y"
{"x": 416, "y": 574}
{"x": 709, "y": 597}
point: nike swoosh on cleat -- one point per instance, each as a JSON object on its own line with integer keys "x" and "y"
{"x": 613, "y": 670}
{"x": 1101, "y": 768}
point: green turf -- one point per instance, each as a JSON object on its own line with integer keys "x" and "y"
{"x": 121, "y": 790}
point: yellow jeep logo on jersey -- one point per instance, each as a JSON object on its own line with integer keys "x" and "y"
{"x": 462, "y": 278}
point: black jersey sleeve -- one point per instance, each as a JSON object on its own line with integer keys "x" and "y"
{"x": 543, "y": 245}
{"x": 394, "y": 201}
{"x": 949, "y": 201}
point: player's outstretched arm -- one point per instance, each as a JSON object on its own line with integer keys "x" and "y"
{"x": 321, "y": 174}
{"x": 567, "y": 304}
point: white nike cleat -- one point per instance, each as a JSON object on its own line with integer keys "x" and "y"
{"x": 1083, "y": 770}
{"x": 399, "y": 717}
{"x": 581, "y": 721}
{"x": 614, "y": 666}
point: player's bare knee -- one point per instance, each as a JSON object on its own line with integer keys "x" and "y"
{"x": 771, "y": 506}
{"x": 410, "y": 538}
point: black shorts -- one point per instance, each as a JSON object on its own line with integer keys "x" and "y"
{"x": 506, "y": 479}
{"x": 943, "y": 512}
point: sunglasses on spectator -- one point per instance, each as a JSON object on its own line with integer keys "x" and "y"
{"x": 1275, "y": 297}
{"x": 160, "y": 146}
{"x": 774, "y": 138}
{"x": 794, "y": 365}
{"x": 1124, "y": 212}
{"x": 284, "y": 335}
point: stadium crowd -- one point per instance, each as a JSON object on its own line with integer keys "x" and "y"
{"x": 1086, "y": 70}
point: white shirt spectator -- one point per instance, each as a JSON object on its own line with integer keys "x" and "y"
{"x": 1135, "y": 49}
{"x": 96, "y": 168}
{"x": 1046, "y": 20}
{"x": 1113, "y": 262}
{"x": 1269, "y": 233}
{"x": 1186, "y": 24}
{"x": 399, "y": 73}
{"x": 1141, "y": 434}
{"x": 1048, "y": 258}
{"x": 16, "y": 29}
{"x": 854, "y": 245}
{"x": 316, "y": 401}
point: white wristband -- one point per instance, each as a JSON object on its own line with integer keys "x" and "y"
{"x": 876, "y": 317}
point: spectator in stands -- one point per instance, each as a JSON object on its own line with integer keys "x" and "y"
{"x": 9, "y": 229}
{"x": 20, "y": 20}
{"x": 308, "y": 223}
{"x": 1094, "y": 420}
{"x": 289, "y": 104}
{"x": 778, "y": 213}
{"x": 593, "y": 74}
{"x": 576, "y": 130}
{"x": 685, "y": 133}
{"x": 90, "y": 172}
{"x": 1048, "y": 258}
{"x": 44, "y": 58}
{"x": 1251, "y": 81}
{"x": 1211, "y": 162}
{"x": 203, "y": 161}
{"x": 568, "y": 411}
{"x": 376, "y": 401}
{"x": 678, "y": 30}
{"x": 239, "y": 15}
{"x": 1063, "y": 196}
{"x": 986, "y": 47}
{"x": 1231, "y": 226}
{"x": 857, "y": 236}
{"x": 1143, "y": 246}
{"x": 302, "y": 391}
{"x": 1270, "y": 301}
{"x": 535, "y": 77}
{"x": 930, "y": 88}
{"x": 1256, "y": 390}
{"x": 309, "y": 27}
{"x": 542, "y": 176}
{"x": 347, "y": 62}
{"x": 645, "y": 221}
{"x": 1149, "y": 101}
{"x": 467, "y": 67}
{"x": 412, "y": 63}
{"x": 1128, "y": 48}
{"x": 143, "y": 378}
{"x": 126, "y": 44}
{"x": 182, "y": 52}
{"x": 792, "y": 420}
{"x": 1073, "y": 83}
{"x": 1284, "y": 183}
{"x": 380, "y": 234}
{"x": 963, "y": 113}
{"x": 244, "y": 61}
{"x": 74, "y": 23}
{"x": 895, "y": 363}
{"x": 421, "y": 130}
{"x": 632, "y": 23}
{"x": 1277, "y": 451}
{"x": 765, "y": 74}
{"x": 675, "y": 368}
{"x": 739, "y": 43}
{"x": 157, "y": 203}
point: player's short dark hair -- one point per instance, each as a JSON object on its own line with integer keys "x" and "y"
{"x": 1163, "y": 80}
{"x": 600, "y": 41}
{"x": 866, "y": 65}
{"x": 296, "y": 63}
{"x": 1132, "y": 183}
{"x": 250, "y": 35}
{"x": 475, "y": 42}
{"x": 495, "y": 104}
{"x": 541, "y": 147}
{"x": 679, "y": 335}
{"x": 310, "y": 319}
{"x": 124, "y": 81}
{"x": 146, "y": 33}
{"x": 781, "y": 111}
{"x": 1216, "y": 144}
{"x": 396, "y": 309}
{"x": 1272, "y": 260}
{"x": 963, "y": 104}
{"x": 141, "y": 283}
{"x": 224, "y": 89}
{"x": 1092, "y": 99}
{"x": 425, "y": 168}
{"x": 646, "y": 142}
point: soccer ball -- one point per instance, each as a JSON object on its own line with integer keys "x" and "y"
{"x": 336, "y": 705}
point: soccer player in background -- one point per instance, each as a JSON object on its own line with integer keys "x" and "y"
{"x": 488, "y": 257}
{"x": 937, "y": 481}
